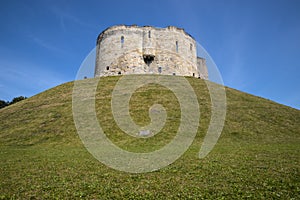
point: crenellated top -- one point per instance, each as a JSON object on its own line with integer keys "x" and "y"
{"x": 130, "y": 27}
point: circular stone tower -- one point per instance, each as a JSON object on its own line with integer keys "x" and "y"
{"x": 147, "y": 50}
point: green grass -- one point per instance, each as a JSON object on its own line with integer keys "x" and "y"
{"x": 256, "y": 157}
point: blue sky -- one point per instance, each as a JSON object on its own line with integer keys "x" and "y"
{"x": 255, "y": 44}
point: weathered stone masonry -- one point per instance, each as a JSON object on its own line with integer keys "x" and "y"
{"x": 148, "y": 50}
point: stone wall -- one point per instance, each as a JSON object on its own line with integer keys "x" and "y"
{"x": 201, "y": 64}
{"x": 147, "y": 50}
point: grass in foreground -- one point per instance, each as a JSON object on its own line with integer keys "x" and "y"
{"x": 257, "y": 156}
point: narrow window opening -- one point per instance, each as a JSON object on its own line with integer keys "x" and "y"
{"x": 107, "y": 68}
{"x": 177, "y": 46}
{"x": 149, "y": 34}
{"x": 122, "y": 41}
{"x": 174, "y": 73}
{"x": 191, "y": 47}
{"x": 194, "y": 74}
{"x": 119, "y": 73}
{"x": 159, "y": 69}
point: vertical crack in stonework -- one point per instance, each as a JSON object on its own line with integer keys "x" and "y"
{"x": 148, "y": 50}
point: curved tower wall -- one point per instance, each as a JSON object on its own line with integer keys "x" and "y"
{"x": 147, "y": 50}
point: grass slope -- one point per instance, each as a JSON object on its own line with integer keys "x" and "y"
{"x": 257, "y": 156}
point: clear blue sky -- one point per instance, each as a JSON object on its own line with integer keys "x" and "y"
{"x": 255, "y": 44}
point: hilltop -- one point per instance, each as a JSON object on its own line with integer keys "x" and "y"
{"x": 256, "y": 157}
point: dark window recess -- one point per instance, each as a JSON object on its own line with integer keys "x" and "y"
{"x": 193, "y": 74}
{"x": 191, "y": 47}
{"x": 107, "y": 68}
{"x": 174, "y": 73}
{"x": 159, "y": 69}
{"x": 149, "y": 34}
{"x": 177, "y": 46}
{"x": 148, "y": 59}
{"x": 119, "y": 73}
{"x": 122, "y": 41}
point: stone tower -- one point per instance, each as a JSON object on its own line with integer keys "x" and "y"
{"x": 148, "y": 50}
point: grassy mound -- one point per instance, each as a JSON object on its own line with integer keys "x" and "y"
{"x": 256, "y": 157}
